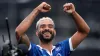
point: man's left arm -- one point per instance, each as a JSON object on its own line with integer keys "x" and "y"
{"x": 82, "y": 27}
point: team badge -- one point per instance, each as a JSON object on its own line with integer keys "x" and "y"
{"x": 58, "y": 48}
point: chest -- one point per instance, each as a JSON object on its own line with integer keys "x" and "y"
{"x": 55, "y": 52}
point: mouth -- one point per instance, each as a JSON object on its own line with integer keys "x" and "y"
{"x": 46, "y": 34}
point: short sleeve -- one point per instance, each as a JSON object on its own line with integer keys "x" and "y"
{"x": 67, "y": 45}
{"x": 32, "y": 50}
{"x": 70, "y": 45}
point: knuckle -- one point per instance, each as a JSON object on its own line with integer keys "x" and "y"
{"x": 43, "y": 2}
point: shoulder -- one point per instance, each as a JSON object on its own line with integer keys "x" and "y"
{"x": 63, "y": 42}
{"x": 32, "y": 46}
{"x": 66, "y": 44}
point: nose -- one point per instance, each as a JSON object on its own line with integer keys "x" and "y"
{"x": 46, "y": 27}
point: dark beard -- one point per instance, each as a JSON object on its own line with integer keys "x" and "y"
{"x": 44, "y": 40}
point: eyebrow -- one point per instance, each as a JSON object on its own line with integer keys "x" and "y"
{"x": 51, "y": 24}
{"x": 45, "y": 24}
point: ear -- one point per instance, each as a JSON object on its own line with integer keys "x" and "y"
{"x": 36, "y": 33}
{"x": 54, "y": 32}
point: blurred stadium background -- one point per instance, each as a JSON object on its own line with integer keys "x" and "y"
{"x": 17, "y": 10}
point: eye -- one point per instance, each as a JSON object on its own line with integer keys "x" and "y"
{"x": 42, "y": 26}
{"x": 51, "y": 26}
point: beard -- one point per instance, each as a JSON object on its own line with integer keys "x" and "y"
{"x": 43, "y": 39}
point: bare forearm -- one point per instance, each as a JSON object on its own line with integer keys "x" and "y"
{"x": 80, "y": 23}
{"x": 26, "y": 23}
{"x": 82, "y": 27}
{"x": 83, "y": 30}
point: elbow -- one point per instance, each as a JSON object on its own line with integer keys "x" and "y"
{"x": 87, "y": 30}
{"x": 17, "y": 31}
{"x": 17, "y": 34}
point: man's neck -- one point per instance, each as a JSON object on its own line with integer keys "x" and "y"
{"x": 47, "y": 46}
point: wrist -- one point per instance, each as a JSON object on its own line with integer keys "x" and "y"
{"x": 73, "y": 12}
{"x": 36, "y": 9}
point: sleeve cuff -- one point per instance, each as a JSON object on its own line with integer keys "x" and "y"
{"x": 29, "y": 47}
{"x": 70, "y": 45}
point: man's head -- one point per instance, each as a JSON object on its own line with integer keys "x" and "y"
{"x": 45, "y": 29}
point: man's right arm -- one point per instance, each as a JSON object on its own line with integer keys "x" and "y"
{"x": 26, "y": 23}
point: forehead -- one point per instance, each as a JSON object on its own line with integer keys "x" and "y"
{"x": 46, "y": 21}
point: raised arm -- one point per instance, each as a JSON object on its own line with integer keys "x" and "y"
{"x": 26, "y": 23}
{"x": 82, "y": 27}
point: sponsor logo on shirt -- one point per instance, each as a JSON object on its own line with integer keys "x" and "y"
{"x": 58, "y": 48}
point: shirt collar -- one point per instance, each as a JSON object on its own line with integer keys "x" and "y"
{"x": 53, "y": 47}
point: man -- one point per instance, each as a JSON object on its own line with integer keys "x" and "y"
{"x": 45, "y": 30}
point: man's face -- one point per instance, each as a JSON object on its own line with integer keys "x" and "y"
{"x": 46, "y": 31}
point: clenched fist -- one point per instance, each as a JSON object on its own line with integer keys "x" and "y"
{"x": 44, "y": 7}
{"x": 69, "y": 7}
